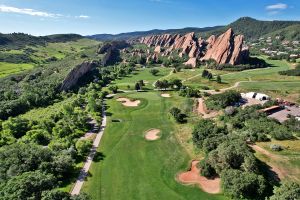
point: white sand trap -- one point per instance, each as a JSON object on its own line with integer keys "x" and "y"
{"x": 152, "y": 134}
{"x": 166, "y": 95}
{"x": 128, "y": 103}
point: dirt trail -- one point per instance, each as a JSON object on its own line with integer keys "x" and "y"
{"x": 280, "y": 171}
{"x": 203, "y": 110}
{"x": 236, "y": 85}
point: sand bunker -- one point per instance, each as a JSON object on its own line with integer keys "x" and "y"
{"x": 193, "y": 177}
{"x": 166, "y": 95}
{"x": 152, "y": 134}
{"x": 128, "y": 103}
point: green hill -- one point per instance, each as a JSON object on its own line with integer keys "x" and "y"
{"x": 21, "y": 40}
{"x": 253, "y": 29}
{"x": 290, "y": 33}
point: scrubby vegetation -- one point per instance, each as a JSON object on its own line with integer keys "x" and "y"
{"x": 219, "y": 101}
{"x": 228, "y": 155}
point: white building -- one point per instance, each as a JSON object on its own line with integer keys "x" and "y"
{"x": 262, "y": 97}
{"x": 257, "y": 96}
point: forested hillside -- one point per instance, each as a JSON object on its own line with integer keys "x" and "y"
{"x": 251, "y": 28}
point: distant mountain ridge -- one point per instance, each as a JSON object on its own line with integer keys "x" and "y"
{"x": 138, "y": 34}
{"x": 249, "y": 27}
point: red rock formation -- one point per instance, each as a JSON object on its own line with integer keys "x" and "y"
{"x": 192, "y": 62}
{"x": 157, "y": 49}
{"x": 227, "y": 48}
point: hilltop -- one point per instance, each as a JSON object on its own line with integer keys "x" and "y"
{"x": 21, "y": 40}
{"x": 249, "y": 27}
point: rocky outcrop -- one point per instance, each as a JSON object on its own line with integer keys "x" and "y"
{"x": 112, "y": 45}
{"x": 76, "y": 73}
{"x": 157, "y": 49}
{"x": 227, "y": 48}
{"x": 191, "y": 62}
{"x": 112, "y": 51}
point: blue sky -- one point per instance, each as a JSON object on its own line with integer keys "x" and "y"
{"x": 86, "y": 17}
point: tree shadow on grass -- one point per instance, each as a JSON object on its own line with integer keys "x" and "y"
{"x": 99, "y": 156}
{"x": 271, "y": 177}
{"x": 109, "y": 114}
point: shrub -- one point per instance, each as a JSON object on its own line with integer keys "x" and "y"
{"x": 219, "y": 101}
{"x": 154, "y": 72}
{"x": 83, "y": 147}
{"x": 179, "y": 117}
{"x": 207, "y": 170}
{"x": 276, "y": 147}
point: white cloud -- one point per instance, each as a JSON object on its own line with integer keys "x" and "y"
{"x": 278, "y": 6}
{"x": 83, "y": 17}
{"x": 27, "y": 11}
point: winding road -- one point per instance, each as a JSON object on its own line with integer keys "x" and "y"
{"x": 84, "y": 171}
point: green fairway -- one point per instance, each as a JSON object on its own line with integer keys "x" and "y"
{"x": 11, "y": 68}
{"x": 133, "y": 168}
{"x": 141, "y": 74}
{"x": 272, "y": 86}
{"x": 267, "y": 74}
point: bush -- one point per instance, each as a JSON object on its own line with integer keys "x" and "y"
{"x": 179, "y": 117}
{"x": 276, "y": 147}
{"x": 83, "y": 147}
{"x": 219, "y": 101}
{"x": 207, "y": 170}
{"x": 189, "y": 92}
{"x": 154, "y": 72}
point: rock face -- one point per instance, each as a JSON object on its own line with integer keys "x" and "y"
{"x": 112, "y": 51}
{"x": 192, "y": 62}
{"x": 227, "y": 48}
{"x": 76, "y": 73}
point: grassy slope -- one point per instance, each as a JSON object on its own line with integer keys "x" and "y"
{"x": 58, "y": 50}
{"x": 141, "y": 74}
{"x": 61, "y": 50}
{"x": 11, "y": 68}
{"x": 134, "y": 168}
{"x": 288, "y": 159}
